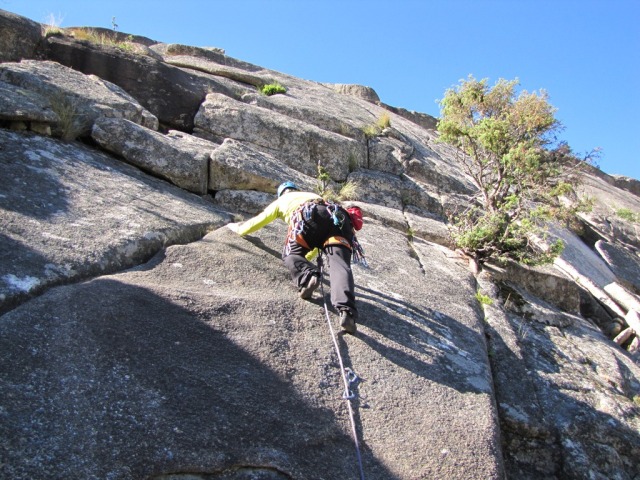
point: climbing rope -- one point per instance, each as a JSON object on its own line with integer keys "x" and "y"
{"x": 348, "y": 376}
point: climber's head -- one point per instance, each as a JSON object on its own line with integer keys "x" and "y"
{"x": 286, "y": 186}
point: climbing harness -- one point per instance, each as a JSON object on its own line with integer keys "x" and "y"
{"x": 348, "y": 376}
{"x": 305, "y": 213}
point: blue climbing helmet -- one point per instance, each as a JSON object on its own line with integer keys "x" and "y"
{"x": 286, "y": 186}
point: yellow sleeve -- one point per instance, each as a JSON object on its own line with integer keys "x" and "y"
{"x": 267, "y": 216}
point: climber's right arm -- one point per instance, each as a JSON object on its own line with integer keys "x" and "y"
{"x": 267, "y": 216}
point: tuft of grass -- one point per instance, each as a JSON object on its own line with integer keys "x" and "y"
{"x": 348, "y": 190}
{"x": 103, "y": 38}
{"x": 70, "y": 126}
{"x": 272, "y": 89}
{"x": 483, "y": 299}
{"x": 353, "y": 163}
{"x": 411, "y": 234}
{"x": 628, "y": 215}
{"x": 376, "y": 128}
{"x": 384, "y": 121}
{"x": 370, "y": 131}
{"x": 90, "y": 35}
{"x": 52, "y": 26}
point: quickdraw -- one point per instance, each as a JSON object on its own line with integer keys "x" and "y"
{"x": 357, "y": 252}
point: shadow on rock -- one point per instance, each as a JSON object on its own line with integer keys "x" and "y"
{"x": 434, "y": 338}
{"x": 110, "y": 380}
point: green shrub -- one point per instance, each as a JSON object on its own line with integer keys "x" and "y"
{"x": 507, "y": 146}
{"x": 483, "y": 299}
{"x": 272, "y": 89}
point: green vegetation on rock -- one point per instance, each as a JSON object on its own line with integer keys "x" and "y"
{"x": 525, "y": 178}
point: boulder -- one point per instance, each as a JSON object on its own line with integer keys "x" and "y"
{"x": 180, "y": 158}
{"x": 390, "y": 217}
{"x": 424, "y": 120}
{"x": 608, "y": 201}
{"x": 210, "y": 54}
{"x": 213, "y": 54}
{"x": 168, "y": 92}
{"x": 427, "y": 166}
{"x": 380, "y": 188}
{"x": 240, "y": 167}
{"x": 219, "y": 70}
{"x": 19, "y": 37}
{"x": 245, "y": 202}
{"x": 428, "y": 226}
{"x": 26, "y": 107}
{"x": 395, "y": 192}
{"x": 77, "y": 99}
{"x": 297, "y": 144}
{"x": 360, "y": 91}
{"x": 627, "y": 183}
{"x": 545, "y": 282}
{"x": 387, "y": 155}
{"x": 111, "y": 35}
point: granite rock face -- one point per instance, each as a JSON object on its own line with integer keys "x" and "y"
{"x": 19, "y": 37}
{"x": 140, "y": 338}
{"x": 77, "y": 99}
{"x": 70, "y": 212}
{"x": 181, "y": 159}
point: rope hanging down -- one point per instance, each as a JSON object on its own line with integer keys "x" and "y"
{"x": 348, "y": 375}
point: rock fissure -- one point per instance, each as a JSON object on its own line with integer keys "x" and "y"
{"x": 410, "y": 236}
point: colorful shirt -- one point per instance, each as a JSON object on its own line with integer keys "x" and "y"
{"x": 282, "y": 208}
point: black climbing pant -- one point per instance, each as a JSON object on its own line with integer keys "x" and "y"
{"x": 317, "y": 230}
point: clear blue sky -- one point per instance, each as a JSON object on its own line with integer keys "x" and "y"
{"x": 584, "y": 53}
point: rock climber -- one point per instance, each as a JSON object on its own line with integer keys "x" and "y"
{"x": 315, "y": 224}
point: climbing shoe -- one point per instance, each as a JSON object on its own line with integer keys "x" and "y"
{"x": 307, "y": 291}
{"x": 347, "y": 322}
